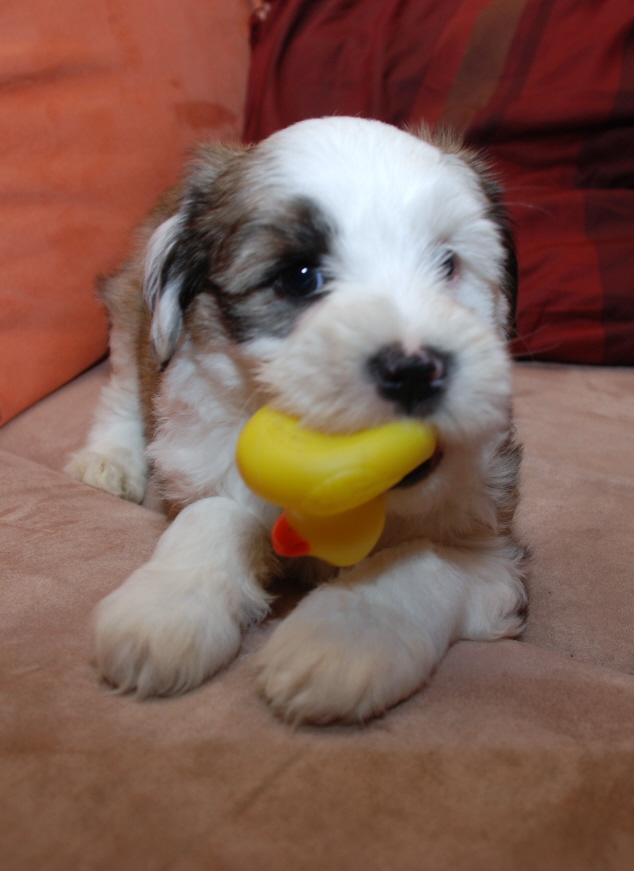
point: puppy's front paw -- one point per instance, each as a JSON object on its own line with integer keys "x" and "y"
{"x": 340, "y": 657}
{"x": 154, "y": 639}
{"x": 117, "y": 474}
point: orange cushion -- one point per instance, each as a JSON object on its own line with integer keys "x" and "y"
{"x": 99, "y": 103}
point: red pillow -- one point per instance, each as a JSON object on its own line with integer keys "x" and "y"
{"x": 545, "y": 86}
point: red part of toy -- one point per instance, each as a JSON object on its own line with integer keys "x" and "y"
{"x": 286, "y": 541}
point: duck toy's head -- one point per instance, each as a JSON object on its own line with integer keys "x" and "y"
{"x": 330, "y": 485}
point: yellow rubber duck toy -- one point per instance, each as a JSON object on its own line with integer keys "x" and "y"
{"x": 330, "y": 486}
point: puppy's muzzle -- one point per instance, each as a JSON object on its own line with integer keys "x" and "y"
{"x": 414, "y": 382}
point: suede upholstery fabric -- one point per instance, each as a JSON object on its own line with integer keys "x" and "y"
{"x": 518, "y": 755}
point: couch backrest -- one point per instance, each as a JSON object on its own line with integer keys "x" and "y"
{"x": 99, "y": 104}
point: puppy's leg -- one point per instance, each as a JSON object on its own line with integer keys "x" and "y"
{"x": 353, "y": 648}
{"x": 177, "y": 619}
{"x": 113, "y": 458}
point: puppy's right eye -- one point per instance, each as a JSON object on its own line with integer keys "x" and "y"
{"x": 299, "y": 282}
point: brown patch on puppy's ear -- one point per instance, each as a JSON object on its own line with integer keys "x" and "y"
{"x": 210, "y": 210}
{"x": 211, "y": 159}
{"x": 179, "y": 253}
{"x": 451, "y": 143}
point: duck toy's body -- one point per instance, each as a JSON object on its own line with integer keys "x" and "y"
{"x": 330, "y": 485}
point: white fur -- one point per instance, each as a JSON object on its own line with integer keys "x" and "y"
{"x": 113, "y": 458}
{"x": 178, "y": 618}
{"x": 315, "y": 373}
{"x": 374, "y": 633}
{"x": 353, "y": 648}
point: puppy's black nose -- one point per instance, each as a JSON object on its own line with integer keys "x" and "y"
{"x": 415, "y": 382}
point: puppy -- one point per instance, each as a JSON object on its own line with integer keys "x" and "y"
{"x": 348, "y": 273}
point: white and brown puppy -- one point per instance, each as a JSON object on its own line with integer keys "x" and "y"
{"x": 348, "y": 273}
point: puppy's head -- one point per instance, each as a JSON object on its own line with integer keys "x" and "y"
{"x": 366, "y": 273}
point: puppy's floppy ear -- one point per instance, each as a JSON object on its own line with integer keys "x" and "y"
{"x": 162, "y": 287}
{"x": 179, "y": 252}
{"x": 451, "y": 143}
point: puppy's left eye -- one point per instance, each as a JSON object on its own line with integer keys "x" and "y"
{"x": 448, "y": 265}
{"x": 299, "y": 282}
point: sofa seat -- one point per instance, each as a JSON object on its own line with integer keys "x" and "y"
{"x": 518, "y": 755}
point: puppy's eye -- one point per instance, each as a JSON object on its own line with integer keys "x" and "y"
{"x": 448, "y": 265}
{"x": 299, "y": 282}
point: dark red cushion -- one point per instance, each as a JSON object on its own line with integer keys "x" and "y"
{"x": 545, "y": 86}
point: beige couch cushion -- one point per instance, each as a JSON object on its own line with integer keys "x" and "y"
{"x": 519, "y": 755}
{"x": 577, "y": 424}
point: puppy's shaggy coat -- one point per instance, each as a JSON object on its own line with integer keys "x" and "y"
{"x": 348, "y": 273}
